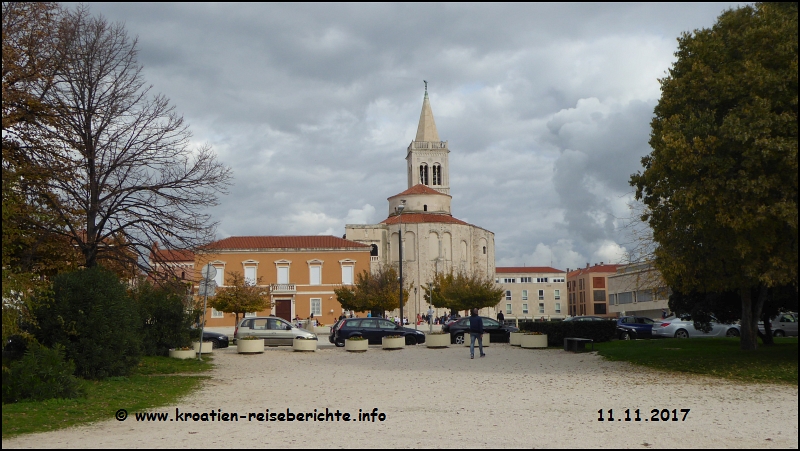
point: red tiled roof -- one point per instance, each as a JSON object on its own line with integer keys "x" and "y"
{"x": 525, "y": 269}
{"x": 419, "y": 189}
{"x": 171, "y": 255}
{"x": 285, "y": 242}
{"x": 415, "y": 218}
{"x": 596, "y": 268}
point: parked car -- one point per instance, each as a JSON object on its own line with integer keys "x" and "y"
{"x": 373, "y": 329}
{"x": 498, "y": 333}
{"x": 783, "y": 325}
{"x": 683, "y": 327}
{"x": 634, "y": 327}
{"x": 217, "y": 339}
{"x": 586, "y": 318}
{"x": 275, "y": 331}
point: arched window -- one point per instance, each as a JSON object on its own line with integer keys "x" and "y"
{"x": 424, "y": 208}
{"x": 423, "y": 174}
{"x": 374, "y": 250}
{"x": 437, "y": 174}
{"x": 484, "y": 249}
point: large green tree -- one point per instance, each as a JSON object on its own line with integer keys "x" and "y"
{"x": 720, "y": 185}
{"x": 373, "y": 292}
{"x": 240, "y": 296}
{"x": 462, "y": 291}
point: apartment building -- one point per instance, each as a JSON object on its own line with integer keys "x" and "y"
{"x": 532, "y": 292}
{"x": 587, "y": 292}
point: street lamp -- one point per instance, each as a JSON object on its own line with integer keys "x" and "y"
{"x": 416, "y": 309}
{"x": 400, "y": 209}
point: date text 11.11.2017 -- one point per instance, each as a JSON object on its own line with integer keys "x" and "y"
{"x": 655, "y": 415}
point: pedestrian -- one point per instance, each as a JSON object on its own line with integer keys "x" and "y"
{"x": 500, "y": 316}
{"x": 430, "y": 317}
{"x": 663, "y": 313}
{"x": 475, "y": 331}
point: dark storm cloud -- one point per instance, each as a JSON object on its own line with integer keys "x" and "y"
{"x": 546, "y": 108}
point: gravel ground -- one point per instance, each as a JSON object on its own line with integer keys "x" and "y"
{"x": 440, "y": 398}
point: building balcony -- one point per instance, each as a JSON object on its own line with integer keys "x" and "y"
{"x": 283, "y": 288}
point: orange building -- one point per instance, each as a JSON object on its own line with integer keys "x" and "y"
{"x": 587, "y": 292}
{"x": 300, "y": 271}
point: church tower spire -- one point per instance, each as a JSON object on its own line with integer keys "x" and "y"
{"x": 427, "y": 155}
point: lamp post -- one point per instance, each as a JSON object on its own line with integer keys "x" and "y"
{"x": 400, "y": 209}
{"x": 416, "y": 309}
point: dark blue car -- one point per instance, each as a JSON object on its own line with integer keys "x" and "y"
{"x": 633, "y": 327}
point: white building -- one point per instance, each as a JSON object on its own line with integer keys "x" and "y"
{"x": 532, "y": 293}
{"x": 433, "y": 240}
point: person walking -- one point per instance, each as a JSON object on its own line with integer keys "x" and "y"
{"x": 475, "y": 331}
{"x": 500, "y": 316}
{"x": 430, "y": 318}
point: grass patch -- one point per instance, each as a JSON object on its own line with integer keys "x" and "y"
{"x": 717, "y": 357}
{"x": 153, "y": 384}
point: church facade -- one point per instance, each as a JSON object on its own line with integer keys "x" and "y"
{"x": 433, "y": 239}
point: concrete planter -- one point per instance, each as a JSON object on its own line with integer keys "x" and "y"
{"x": 437, "y": 340}
{"x": 322, "y": 330}
{"x": 467, "y": 338}
{"x": 182, "y": 353}
{"x": 356, "y": 345}
{"x": 515, "y": 338}
{"x": 393, "y": 343}
{"x": 534, "y": 341}
{"x": 304, "y": 345}
{"x": 250, "y": 346}
{"x": 208, "y": 347}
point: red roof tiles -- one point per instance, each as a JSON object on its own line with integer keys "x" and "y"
{"x": 414, "y": 218}
{"x": 419, "y": 189}
{"x": 525, "y": 269}
{"x": 285, "y": 242}
{"x": 171, "y": 255}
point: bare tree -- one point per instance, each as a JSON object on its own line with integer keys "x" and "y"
{"x": 123, "y": 172}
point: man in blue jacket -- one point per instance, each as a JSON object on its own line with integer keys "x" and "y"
{"x": 475, "y": 331}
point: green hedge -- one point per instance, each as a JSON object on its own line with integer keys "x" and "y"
{"x": 557, "y": 331}
{"x": 41, "y": 374}
{"x": 94, "y": 319}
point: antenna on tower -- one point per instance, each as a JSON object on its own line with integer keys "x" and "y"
{"x": 426, "y": 87}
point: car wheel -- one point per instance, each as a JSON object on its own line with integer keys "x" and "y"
{"x": 681, "y": 333}
{"x": 779, "y": 333}
{"x": 214, "y": 344}
{"x": 459, "y": 339}
{"x": 410, "y": 341}
{"x": 732, "y": 333}
{"x": 625, "y": 336}
{"x": 339, "y": 343}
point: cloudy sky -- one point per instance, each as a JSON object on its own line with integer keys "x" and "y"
{"x": 546, "y": 108}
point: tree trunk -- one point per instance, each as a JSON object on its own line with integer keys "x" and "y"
{"x": 749, "y": 329}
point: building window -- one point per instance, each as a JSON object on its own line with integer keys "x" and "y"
{"x": 558, "y": 295}
{"x": 220, "y": 277}
{"x": 508, "y": 295}
{"x": 484, "y": 250}
{"x": 347, "y": 275}
{"x": 599, "y": 295}
{"x": 250, "y": 275}
{"x": 424, "y": 208}
{"x": 558, "y": 307}
{"x": 524, "y": 295}
{"x": 373, "y": 252}
{"x": 580, "y": 284}
{"x": 316, "y": 275}
{"x": 541, "y": 307}
{"x": 423, "y": 174}
{"x": 541, "y": 280}
{"x": 525, "y": 279}
{"x": 316, "y": 307}
{"x": 541, "y": 295}
{"x": 599, "y": 309}
{"x": 558, "y": 279}
{"x": 524, "y": 309}
{"x": 508, "y": 309}
{"x": 625, "y": 298}
{"x": 216, "y": 313}
{"x": 283, "y": 274}
{"x": 249, "y": 314}
{"x": 612, "y": 299}
{"x": 509, "y": 280}
{"x": 437, "y": 174}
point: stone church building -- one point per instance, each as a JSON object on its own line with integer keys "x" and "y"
{"x": 433, "y": 239}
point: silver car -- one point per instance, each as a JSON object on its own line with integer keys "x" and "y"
{"x": 275, "y": 331}
{"x": 683, "y": 327}
{"x": 783, "y": 325}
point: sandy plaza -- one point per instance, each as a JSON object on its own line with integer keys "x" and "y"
{"x": 440, "y": 398}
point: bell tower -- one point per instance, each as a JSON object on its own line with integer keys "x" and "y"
{"x": 427, "y": 156}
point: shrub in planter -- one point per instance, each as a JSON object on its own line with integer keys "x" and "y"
{"x": 41, "y": 374}
{"x": 93, "y": 318}
{"x": 166, "y": 324}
